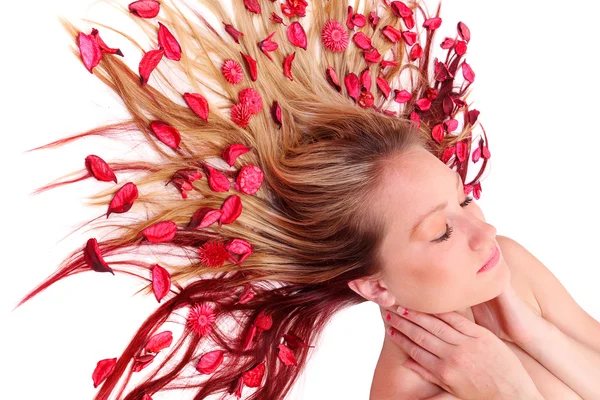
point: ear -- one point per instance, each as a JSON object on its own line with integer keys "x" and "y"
{"x": 373, "y": 289}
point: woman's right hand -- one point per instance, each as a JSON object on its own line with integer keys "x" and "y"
{"x": 463, "y": 358}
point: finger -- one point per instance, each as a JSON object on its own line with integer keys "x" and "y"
{"x": 433, "y": 325}
{"x": 460, "y": 323}
{"x": 418, "y": 335}
{"x": 417, "y": 353}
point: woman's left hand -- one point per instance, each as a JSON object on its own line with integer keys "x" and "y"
{"x": 507, "y": 316}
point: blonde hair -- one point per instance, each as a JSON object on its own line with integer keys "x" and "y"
{"x": 310, "y": 224}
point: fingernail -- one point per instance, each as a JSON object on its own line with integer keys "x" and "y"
{"x": 402, "y": 310}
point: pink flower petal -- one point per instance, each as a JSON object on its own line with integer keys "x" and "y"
{"x": 159, "y": 341}
{"x": 161, "y": 281}
{"x": 166, "y": 133}
{"x": 168, "y": 43}
{"x": 209, "y": 362}
{"x": 160, "y": 232}
{"x": 99, "y": 169}
{"x": 123, "y": 199}
{"x": 103, "y": 370}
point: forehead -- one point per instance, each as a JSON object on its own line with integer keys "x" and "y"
{"x": 411, "y": 185}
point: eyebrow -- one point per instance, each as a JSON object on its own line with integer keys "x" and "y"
{"x": 434, "y": 209}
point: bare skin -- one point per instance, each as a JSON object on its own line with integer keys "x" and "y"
{"x": 424, "y": 273}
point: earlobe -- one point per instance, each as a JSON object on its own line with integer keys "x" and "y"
{"x": 371, "y": 289}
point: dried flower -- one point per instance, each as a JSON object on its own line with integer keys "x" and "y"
{"x": 240, "y": 248}
{"x": 393, "y": 34}
{"x": 246, "y": 295}
{"x": 384, "y": 86}
{"x": 251, "y": 98}
{"x": 200, "y": 319}
{"x": 287, "y": 66}
{"x": 276, "y": 113}
{"x": 142, "y": 361}
{"x": 90, "y": 51}
{"x": 240, "y": 115}
{"x": 252, "y": 6}
{"x": 416, "y": 52}
{"x": 198, "y": 104}
{"x": 166, "y": 133}
{"x": 93, "y": 258}
{"x": 423, "y": 104}
{"x": 253, "y": 377}
{"x": 148, "y": 63}
{"x": 234, "y": 33}
{"x": 230, "y": 209}
{"x": 103, "y": 370}
{"x": 233, "y": 151}
{"x": 232, "y": 71}
{"x": 332, "y": 78}
{"x": 372, "y": 56}
{"x": 362, "y": 41}
{"x": 213, "y": 254}
{"x": 249, "y": 179}
{"x": 402, "y": 96}
{"x": 468, "y": 73}
{"x": 160, "y": 232}
{"x": 432, "y": 23}
{"x": 168, "y": 43}
{"x": 251, "y": 65}
{"x": 145, "y": 8}
{"x": 296, "y": 35}
{"x": 217, "y": 181}
{"x": 159, "y": 341}
{"x": 400, "y": 9}
{"x": 294, "y": 8}
{"x": 266, "y": 45}
{"x": 463, "y": 31}
{"x": 448, "y": 43}
{"x": 286, "y": 356}
{"x": 203, "y": 217}
{"x": 276, "y": 18}
{"x": 123, "y": 199}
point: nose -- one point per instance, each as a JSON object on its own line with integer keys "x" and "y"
{"x": 482, "y": 234}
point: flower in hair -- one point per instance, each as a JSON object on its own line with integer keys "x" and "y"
{"x": 209, "y": 362}
{"x": 168, "y": 43}
{"x": 296, "y": 35}
{"x": 334, "y": 36}
{"x": 294, "y": 7}
{"x": 232, "y": 71}
{"x": 145, "y": 8}
{"x": 198, "y": 104}
{"x": 213, "y": 253}
{"x": 200, "y": 319}
{"x": 240, "y": 115}
{"x": 99, "y": 169}
{"x": 103, "y": 370}
{"x": 252, "y": 99}
{"x": 267, "y": 45}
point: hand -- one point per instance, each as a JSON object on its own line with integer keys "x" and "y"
{"x": 506, "y": 316}
{"x": 461, "y": 357}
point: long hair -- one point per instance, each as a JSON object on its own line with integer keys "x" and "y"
{"x": 319, "y": 148}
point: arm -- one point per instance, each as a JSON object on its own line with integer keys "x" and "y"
{"x": 572, "y": 362}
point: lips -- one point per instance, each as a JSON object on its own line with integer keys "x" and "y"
{"x": 493, "y": 260}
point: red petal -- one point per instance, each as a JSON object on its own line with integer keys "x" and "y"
{"x": 253, "y": 377}
{"x": 460, "y": 47}
{"x": 463, "y": 31}
{"x": 161, "y": 282}
{"x": 252, "y": 6}
{"x": 248, "y": 338}
{"x": 198, "y": 104}
{"x": 352, "y": 85}
{"x": 423, "y": 104}
{"x": 476, "y": 154}
{"x": 276, "y": 113}
{"x": 409, "y": 22}
{"x": 159, "y": 341}
{"x": 477, "y": 190}
{"x": 147, "y": 64}
{"x": 416, "y": 120}
{"x": 366, "y": 99}
{"x": 99, "y": 169}
{"x": 296, "y": 35}
{"x": 266, "y": 45}
{"x": 123, "y": 199}
{"x": 448, "y": 153}
{"x": 472, "y": 115}
{"x": 451, "y": 125}
{"x": 294, "y": 342}
{"x": 333, "y": 79}
{"x": 168, "y": 43}
{"x": 402, "y": 96}
{"x": 448, "y": 105}
{"x": 233, "y": 151}
{"x": 90, "y": 50}
{"x": 246, "y": 295}
{"x": 209, "y": 362}
{"x": 365, "y": 79}
{"x": 234, "y": 33}
{"x": 362, "y": 41}
{"x": 238, "y": 247}
{"x": 286, "y": 356}
{"x": 349, "y": 22}
{"x": 93, "y": 258}
{"x": 249, "y": 179}
{"x": 372, "y": 56}
{"x": 231, "y": 208}
{"x": 263, "y": 321}
{"x": 203, "y": 217}
{"x": 103, "y": 370}
{"x": 486, "y": 153}
{"x": 287, "y": 66}
{"x": 251, "y": 98}
{"x": 189, "y": 174}
{"x": 461, "y": 151}
{"x": 166, "y": 133}
{"x": 163, "y": 231}
{"x": 217, "y": 180}
{"x": 141, "y": 362}
{"x": 416, "y": 51}
{"x": 392, "y": 33}
{"x": 251, "y": 65}
{"x": 103, "y": 46}
{"x": 373, "y": 18}
{"x": 359, "y": 20}
{"x": 447, "y": 43}
{"x": 432, "y": 94}
{"x": 146, "y": 397}
{"x": 384, "y": 86}
{"x": 145, "y": 8}
{"x": 400, "y": 9}
{"x": 276, "y": 18}
{"x": 468, "y": 73}
{"x": 438, "y": 133}
{"x": 432, "y": 23}
{"x": 386, "y": 63}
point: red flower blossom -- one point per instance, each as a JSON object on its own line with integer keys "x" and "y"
{"x": 234, "y": 33}
{"x": 232, "y": 71}
{"x": 251, "y": 98}
{"x": 294, "y": 7}
{"x": 266, "y": 45}
{"x": 240, "y": 114}
{"x": 213, "y": 253}
{"x": 200, "y": 319}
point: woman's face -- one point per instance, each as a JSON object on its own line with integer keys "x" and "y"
{"x": 418, "y": 271}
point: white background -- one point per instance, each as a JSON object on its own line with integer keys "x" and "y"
{"x": 537, "y": 89}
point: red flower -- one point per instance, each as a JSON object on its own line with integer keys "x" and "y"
{"x": 232, "y": 71}
{"x": 251, "y": 98}
{"x": 266, "y": 45}
{"x": 213, "y": 253}
{"x": 240, "y": 114}
{"x": 234, "y": 33}
{"x": 334, "y": 36}
{"x": 294, "y": 7}
{"x": 200, "y": 319}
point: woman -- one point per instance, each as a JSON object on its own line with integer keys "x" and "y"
{"x": 304, "y": 232}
